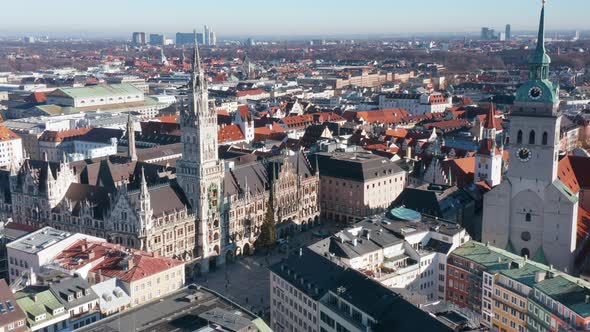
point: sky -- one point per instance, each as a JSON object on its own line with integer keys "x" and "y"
{"x": 285, "y": 17}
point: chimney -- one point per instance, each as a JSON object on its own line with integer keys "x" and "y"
{"x": 587, "y": 299}
{"x": 130, "y": 263}
{"x": 354, "y": 241}
{"x": 300, "y": 252}
{"x": 540, "y": 276}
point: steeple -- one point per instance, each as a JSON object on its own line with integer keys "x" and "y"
{"x": 489, "y": 126}
{"x": 131, "y": 152}
{"x": 199, "y": 85}
{"x": 540, "y": 60}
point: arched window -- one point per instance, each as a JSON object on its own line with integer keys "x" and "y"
{"x": 532, "y": 137}
{"x": 519, "y": 137}
{"x": 545, "y": 138}
{"x": 527, "y": 217}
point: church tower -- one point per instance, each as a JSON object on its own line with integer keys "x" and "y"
{"x": 488, "y": 159}
{"x": 535, "y": 121}
{"x": 532, "y": 213}
{"x": 199, "y": 171}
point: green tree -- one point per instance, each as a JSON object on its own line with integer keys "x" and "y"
{"x": 268, "y": 233}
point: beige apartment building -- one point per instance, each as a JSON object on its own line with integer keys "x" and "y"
{"x": 356, "y": 185}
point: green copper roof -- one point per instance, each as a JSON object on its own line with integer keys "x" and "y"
{"x": 509, "y": 246}
{"x": 525, "y": 275}
{"x": 492, "y": 258}
{"x": 566, "y": 292}
{"x": 44, "y": 303}
{"x": 539, "y": 73}
{"x": 565, "y": 191}
{"x": 101, "y": 90}
{"x": 539, "y": 256}
{"x": 540, "y": 55}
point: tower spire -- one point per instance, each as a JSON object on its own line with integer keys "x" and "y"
{"x": 541, "y": 35}
{"x": 131, "y": 151}
{"x": 540, "y": 60}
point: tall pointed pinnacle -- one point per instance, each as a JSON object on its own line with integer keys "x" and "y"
{"x": 541, "y": 36}
{"x": 197, "y": 71}
{"x": 491, "y": 117}
{"x": 143, "y": 183}
{"x": 131, "y": 149}
{"x": 540, "y": 56}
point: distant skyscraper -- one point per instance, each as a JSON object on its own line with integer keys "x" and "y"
{"x": 508, "y": 32}
{"x": 156, "y": 39}
{"x": 138, "y": 38}
{"x": 488, "y": 33}
{"x": 577, "y": 35}
{"x": 502, "y": 36}
{"x": 250, "y": 42}
{"x": 188, "y": 38}
{"x": 206, "y": 35}
{"x": 212, "y": 38}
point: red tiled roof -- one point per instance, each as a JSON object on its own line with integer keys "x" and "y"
{"x": 59, "y": 136}
{"x": 7, "y": 134}
{"x": 397, "y": 132}
{"x": 394, "y": 115}
{"x": 114, "y": 264}
{"x": 486, "y": 148}
{"x": 490, "y": 122}
{"x": 36, "y": 97}
{"x": 298, "y": 121}
{"x": 566, "y": 174}
{"x": 230, "y": 133}
{"x": 580, "y": 166}
{"x": 167, "y": 118}
{"x": 252, "y": 92}
{"x": 463, "y": 170}
{"x": 329, "y": 117}
{"x": 244, "y": 112}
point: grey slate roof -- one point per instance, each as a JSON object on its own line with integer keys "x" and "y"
{"x": 355, "y": 166}
{"x": 63, "y": 288}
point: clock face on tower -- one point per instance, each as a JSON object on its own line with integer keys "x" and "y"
{"x": 524, "y": 154}
{"x": 535, "y": 93}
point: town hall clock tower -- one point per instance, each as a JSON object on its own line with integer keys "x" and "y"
{"x": 200, "y": 171}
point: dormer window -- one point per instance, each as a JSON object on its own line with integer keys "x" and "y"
{"x": 78, "y": 294}
{"x": 70, "y": 297}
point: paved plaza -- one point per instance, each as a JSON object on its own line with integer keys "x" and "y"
{"x": 246, "y": 280}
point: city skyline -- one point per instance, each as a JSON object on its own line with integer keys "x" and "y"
{"x": 318, "y": 18}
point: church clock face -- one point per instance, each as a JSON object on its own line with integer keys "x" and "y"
{"x": 524, "y": 154}
{"x": 535, "y": 93}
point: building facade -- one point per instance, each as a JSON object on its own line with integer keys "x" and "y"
{"x": 356, "y": 185}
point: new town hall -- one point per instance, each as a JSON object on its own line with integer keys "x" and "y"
{"x": 204, "y": 209}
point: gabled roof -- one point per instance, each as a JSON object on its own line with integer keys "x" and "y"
{"x": 60, "y": 136}
{"x": 7, "y": 134}
{"x": 229, "y": 133}
{"x": 132, "y": 265}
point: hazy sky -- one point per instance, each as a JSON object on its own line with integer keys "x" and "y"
{"x": 286, "y": 17}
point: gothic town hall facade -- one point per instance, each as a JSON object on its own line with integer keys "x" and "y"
{"x": 203, "y": 210}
